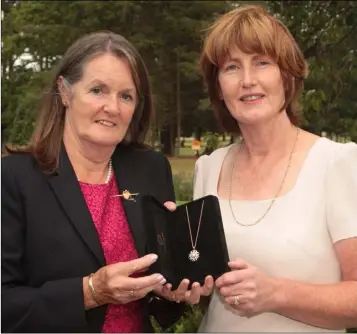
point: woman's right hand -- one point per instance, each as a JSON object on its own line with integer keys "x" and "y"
{"x": 113, "y": 285}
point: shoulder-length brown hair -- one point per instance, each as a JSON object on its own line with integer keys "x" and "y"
{"x": 253, "y": 30}
{"x": 46, "y": 140}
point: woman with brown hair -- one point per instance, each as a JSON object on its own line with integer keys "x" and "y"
{"x": 288, "y": 197}
{"x": 73, "y": 242}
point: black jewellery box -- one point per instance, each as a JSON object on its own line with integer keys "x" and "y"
{"x": 169, "y": 236}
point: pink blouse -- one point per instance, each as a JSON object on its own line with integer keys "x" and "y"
{"x": 118, "y": 246}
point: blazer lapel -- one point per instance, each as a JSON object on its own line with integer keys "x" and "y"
{"x": 128, "y": 178}
{"x": 68, "y": 192}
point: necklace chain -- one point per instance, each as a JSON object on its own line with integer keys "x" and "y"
{"x": 278, "y": 192}
{"x": 198, "y": 229}
{"x": 110, "y": 171}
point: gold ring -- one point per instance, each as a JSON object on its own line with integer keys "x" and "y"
{"x": 236, "y": 300}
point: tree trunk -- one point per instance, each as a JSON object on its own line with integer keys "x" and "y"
{"x": 178, "y": 106}
{"x": 198, "y": 133}
{"x": 166, "y": 140}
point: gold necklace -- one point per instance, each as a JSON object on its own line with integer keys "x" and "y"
{"x": 281, "y": 185}
{"x": 194, "y": 253}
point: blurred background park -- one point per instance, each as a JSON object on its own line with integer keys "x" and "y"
{"x": 168, "y": 34}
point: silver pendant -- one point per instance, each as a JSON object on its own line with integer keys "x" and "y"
{"x": 194, "y": 255}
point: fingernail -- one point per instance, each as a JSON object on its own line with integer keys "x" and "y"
{"x": 154, "y": 257}
{"x": 160, "y": 277}
{"x": 163, "y": 281}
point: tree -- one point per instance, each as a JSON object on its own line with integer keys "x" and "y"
{"x": 169, "y": 36}
{"x": 325, "y": 31}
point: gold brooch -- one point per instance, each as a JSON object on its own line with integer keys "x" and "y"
{"x": 126, "y": 194}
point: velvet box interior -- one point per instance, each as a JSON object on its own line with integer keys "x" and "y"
{"x": 168, "y": 236}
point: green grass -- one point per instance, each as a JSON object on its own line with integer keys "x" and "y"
{"x": 187, "y": 151}
{"x": 183, "y": 165}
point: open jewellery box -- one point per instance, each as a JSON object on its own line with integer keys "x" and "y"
{"x": 168, "y": 235}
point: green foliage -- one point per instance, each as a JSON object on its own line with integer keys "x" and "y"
{"x": 169, "y": 36}
{"x": 189, "y": 322}
{"x": 45, "y": 29}
{"x": 183, "y": 186}
{"x": 325, "y": 31}
{"x": 212, "y": 142}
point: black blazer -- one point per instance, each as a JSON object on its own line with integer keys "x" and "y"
{"x": 49, "y": 241}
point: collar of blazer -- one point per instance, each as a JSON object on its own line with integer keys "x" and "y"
{"x": 67, "y": 190}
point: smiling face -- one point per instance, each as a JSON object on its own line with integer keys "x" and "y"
{"x": 102, "y": 103}
{"x": 266, "y": 55}
{"x": 251, "y": 86}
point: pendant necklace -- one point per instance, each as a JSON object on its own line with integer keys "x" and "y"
{"x": 194, "y": 253}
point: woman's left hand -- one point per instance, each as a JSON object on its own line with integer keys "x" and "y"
{"x": 247, "y": 288}
{"x": 183, "y": 294}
